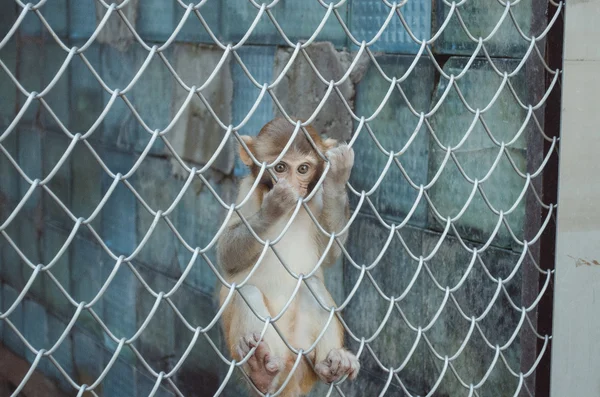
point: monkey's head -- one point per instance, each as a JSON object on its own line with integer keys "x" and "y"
{"x": 301, "y": 166}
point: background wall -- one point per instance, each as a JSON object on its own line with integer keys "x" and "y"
{"x": 42, "y": 227}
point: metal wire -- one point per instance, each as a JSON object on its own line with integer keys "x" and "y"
{"x": 394, "y": 159}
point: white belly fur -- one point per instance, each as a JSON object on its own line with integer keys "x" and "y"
{"x": 299, "y": 252}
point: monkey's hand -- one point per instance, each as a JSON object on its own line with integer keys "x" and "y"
{"x": 341, "y": 160}
{"x": 280, "y": 200}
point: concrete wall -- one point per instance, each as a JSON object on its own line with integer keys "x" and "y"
{"x": 576, "y": 350}
{"x": 42, "y": 227}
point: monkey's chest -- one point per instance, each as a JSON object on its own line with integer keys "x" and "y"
{"x": 298, "y": 247}
{"x": 297, "y": 251}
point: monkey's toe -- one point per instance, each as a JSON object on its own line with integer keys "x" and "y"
{"x": 262, "y": 365}
{"x": 246, "y": 343}
{"x": 339, "y": 362}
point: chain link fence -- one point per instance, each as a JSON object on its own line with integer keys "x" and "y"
{"x": 118, "y": 175}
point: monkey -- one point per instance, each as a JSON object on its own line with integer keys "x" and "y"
{"x": 271, "y": 286}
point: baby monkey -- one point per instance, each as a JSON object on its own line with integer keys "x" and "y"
{"x": 270, "y": 287}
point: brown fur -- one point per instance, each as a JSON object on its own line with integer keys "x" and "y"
{"x": 238, "y": 250}
{"x": 273, "y": 137}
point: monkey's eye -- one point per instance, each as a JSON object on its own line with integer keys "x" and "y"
{"x": 303, "y": 169}
{"x": 280, "y": 167}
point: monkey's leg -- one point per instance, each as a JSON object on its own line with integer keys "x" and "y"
{"x": 242, "y": 331}
{"x": 332, "y": 361}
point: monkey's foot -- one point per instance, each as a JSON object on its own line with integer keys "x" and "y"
{"x": 339, "y": 362}
{"x": 263, "y": 367}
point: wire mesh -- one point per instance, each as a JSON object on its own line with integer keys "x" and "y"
{"x": 363, "y": 199}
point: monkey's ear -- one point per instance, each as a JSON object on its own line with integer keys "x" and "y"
{"x": 330, "y": 143}
{"x": 244, "y": 156}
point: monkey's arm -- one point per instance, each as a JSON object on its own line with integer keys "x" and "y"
{"x": 336, "y": 208}
{"x": 335, "y": 215}
{"x": 237, "y": 248}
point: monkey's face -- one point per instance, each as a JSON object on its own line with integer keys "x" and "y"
{"x": 300, "y": 170}
{"x": 301, "y": 166}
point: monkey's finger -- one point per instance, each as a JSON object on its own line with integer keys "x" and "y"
{"x": 350, "y": 156}
{"x": 354, "y": 370}
{"x": 335, "y": 362}
{"x": 249, "y": 340}
{"x": 253, "y": 363}
{"x": 244, "y": 346}
{"x": 324, "y": 370}
{"x": 241, "y": 353}
{"x": 345, "y": 364}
